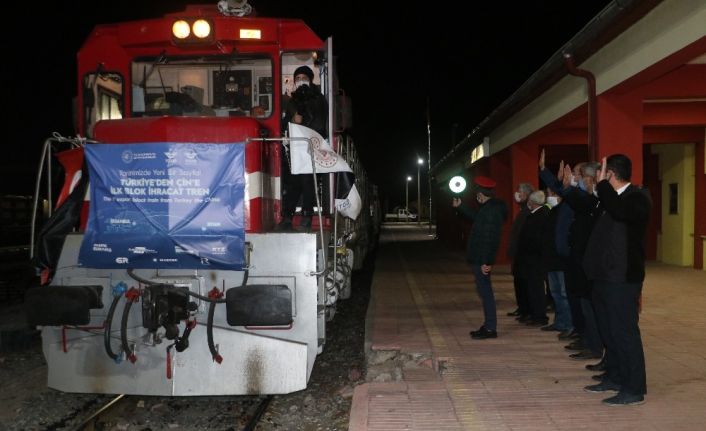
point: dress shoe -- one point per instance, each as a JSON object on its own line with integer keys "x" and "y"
{"x": 576, "y": 345}
{"x": 563, "y": 335}
{"x": 583, "y": 355}
{"x": 599, "y": 377}
{"x": 477, "y": 331}
{"x": 568, "y": 334}
{"x": 601, "y": 366}
{"x": 537, "y": 322}
{"x": 550, "y": 327}
{"x": 605, "y": 385}
{"x": 624, "y": 399}
{"x": 483, "y": 334}
{"x": 514, "y": 313}
{"x": 522, "y": 318}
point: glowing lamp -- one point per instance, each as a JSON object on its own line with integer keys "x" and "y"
{"x": 181, "y": 29}
{"x": 457, "y": 184}
{"x": 201, "y": 28}
{"x": 250, "y": 33}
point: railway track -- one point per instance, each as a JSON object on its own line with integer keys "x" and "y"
{"x": 93, "y": 417}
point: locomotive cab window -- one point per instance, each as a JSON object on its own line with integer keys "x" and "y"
{"x": 311, "y": 68}
{"x": 103, "y": 99}
{"x": 222, "y": 86}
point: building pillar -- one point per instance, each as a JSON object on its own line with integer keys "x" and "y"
{"x": 620, "y": 129}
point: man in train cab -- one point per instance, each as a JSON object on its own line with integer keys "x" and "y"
{"x": 482, "y": 246}
{"x": 308, "y": 107}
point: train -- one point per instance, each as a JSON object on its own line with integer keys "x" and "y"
{"x": 162, "y": 268}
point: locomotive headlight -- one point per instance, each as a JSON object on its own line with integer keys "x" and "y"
{"x": 181, "y": 29}
{"x": 457, "y": 184}
{"x": 201, "y": 28}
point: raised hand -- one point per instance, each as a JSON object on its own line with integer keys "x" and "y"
{"x": 560, "y": 174}
{"x": 541, "y": 160}
{"x": 602, "y": 172}
{"x": 566, "y": 180}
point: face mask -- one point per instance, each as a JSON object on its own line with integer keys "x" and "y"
{"x": 574, "y": 183}
{"x": 552, "y": 201}
{"x": 518, "y": 197}
{"x": 581, "y": 184}
{"x": 300, "y": 82}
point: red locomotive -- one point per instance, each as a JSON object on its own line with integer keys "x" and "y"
{"x": 177, "y": 281}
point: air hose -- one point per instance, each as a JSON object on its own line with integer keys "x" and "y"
{"x": 132, "y": 295}
{"x": 215, "y": 296}
{"x": 118, "y": 291}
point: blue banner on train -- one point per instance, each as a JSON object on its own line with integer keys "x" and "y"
{"x": 165, "y": 205}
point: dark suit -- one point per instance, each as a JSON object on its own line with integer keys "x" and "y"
{"x": 615, "y": 263}
{"x": 531, "y": 261}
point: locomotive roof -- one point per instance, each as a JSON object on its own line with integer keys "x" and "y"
{"x": 290, "y": 34}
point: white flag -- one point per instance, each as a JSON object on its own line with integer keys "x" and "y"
{"x": 325, "y": 158}
{"x": 349, "y": 204}
{"x": 347, "y": 201}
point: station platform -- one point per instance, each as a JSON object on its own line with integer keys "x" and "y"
{"x": 423, "y": 304}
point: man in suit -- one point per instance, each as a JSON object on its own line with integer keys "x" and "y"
{"x": 531, "y": 260}
{"x": 615, "y": 263}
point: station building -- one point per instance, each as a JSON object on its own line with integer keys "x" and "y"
{"x": 632, "y": 81}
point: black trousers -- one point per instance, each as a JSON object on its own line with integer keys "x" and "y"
{"x": 616, "y": 306}
{"x": 521, "y": 295}
{"x": 574, "y": 286}
{"x": 537, "y": 297}
{"x": 296, "y": 189}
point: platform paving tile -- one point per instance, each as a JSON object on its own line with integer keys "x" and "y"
{"x": 424, "y": 302}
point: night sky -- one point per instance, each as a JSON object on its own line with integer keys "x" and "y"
{"x": 392, "y": 57}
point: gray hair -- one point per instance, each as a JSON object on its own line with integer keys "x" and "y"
{"x": 590, "y": 169}
{"x": 526, "y": 188}
{"x": 537, "y": 197}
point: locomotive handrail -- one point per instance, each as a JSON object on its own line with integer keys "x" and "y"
{"x": 316, "y": 191}
{"x": 46, "y": 155}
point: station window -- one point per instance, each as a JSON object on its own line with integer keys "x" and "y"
{"x": 222, "y": 86}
